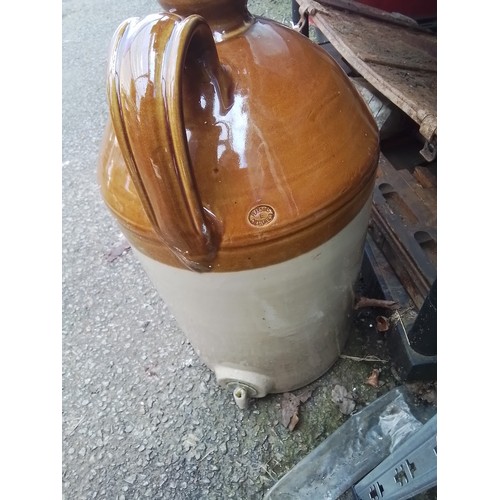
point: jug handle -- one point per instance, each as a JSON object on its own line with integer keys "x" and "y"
{"x": 145, "y": 100}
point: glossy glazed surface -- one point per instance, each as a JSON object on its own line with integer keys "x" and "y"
{"x": 272, "y": 162}
{"x": 225, "y": 17}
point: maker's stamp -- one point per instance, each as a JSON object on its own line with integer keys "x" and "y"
{"x": 261, "y": 215}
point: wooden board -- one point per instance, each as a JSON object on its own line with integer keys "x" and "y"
{"x": 398, "y": 61}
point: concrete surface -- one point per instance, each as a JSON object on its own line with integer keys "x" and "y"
{"x": 141, "y": 416}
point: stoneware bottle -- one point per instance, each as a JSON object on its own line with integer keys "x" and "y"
{"x": 239, "y": 162}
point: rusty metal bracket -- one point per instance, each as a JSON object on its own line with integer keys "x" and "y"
{"x": 306, "y": 8}
{"x": 429, "y": 151}
{"x": 428, "y": 127}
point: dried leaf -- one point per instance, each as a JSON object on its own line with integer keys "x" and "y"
{"x": 373, "y": 378}
{"x": 118, "y": 251}
{"x": 290, "y": 404}
{"x": 289, "y": 407}
{"x": 382, "y": 324}
{"x": 343, "y": 399}
{"x": 304, "y": 395}
{"x": 424, "y": 391}
{"x": 367, "y": 302}
{"x": 293, "y": 422}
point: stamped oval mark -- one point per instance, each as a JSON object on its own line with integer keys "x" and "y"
{"x": 261, "y": 215}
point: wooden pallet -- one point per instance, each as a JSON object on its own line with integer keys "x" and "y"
{"x": 403, "y": 225}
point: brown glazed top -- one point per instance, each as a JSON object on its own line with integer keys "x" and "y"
{"x": 268, "y": 152}
{"x": 225, "y": 17}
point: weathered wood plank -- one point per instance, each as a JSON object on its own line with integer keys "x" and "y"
{"x": 398, "y": 61}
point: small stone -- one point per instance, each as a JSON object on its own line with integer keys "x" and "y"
{"x": 131, "y": 478}
{"x": 71, "y": 451}
{"x": 82, "y": 452}
{"x": 128, "y": 429}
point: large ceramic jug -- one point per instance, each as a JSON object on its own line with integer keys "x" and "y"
{"x": 239, "y": 162}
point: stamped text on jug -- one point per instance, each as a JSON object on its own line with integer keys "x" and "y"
{"x": 261, "y": 215}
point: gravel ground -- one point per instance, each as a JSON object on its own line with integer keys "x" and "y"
{"x": 141, "y": 416}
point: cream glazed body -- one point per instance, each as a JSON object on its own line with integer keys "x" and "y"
{"x": 271, "y": 329}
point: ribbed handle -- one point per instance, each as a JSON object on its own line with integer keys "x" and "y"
{"x": 145, "y": 97}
